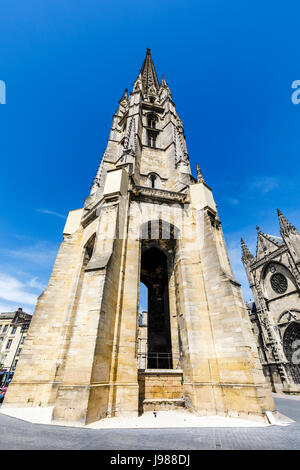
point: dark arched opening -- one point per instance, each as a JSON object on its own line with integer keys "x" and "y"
{"x": 88, "y": 249}
{"x": 152, "y": 179}
{"x": 154, "y": 274}
{"x": 291, "y": 346}
{"x": 151, "y": 120}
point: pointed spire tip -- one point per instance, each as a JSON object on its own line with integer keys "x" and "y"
{"x": 246, "y": 253}
{"x": 148, "y": 74}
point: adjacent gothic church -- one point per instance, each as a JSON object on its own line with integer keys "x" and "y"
{"x": 146, "y": 220}
{"x": 274, "y": 277}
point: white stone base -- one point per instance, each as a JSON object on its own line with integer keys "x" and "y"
{"x": 163, "y": 419}
{"x": 39, "y": 415}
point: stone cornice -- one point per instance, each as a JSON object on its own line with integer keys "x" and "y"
{"x": 153, "y": 107}
{"x": 268, "y": 257}
{"x": 159, "y": 194}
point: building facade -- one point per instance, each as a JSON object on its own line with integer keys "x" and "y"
{"x": 146, "y": 220}
{"x": 274, "y": 277}
{"x": 13, "y": 331}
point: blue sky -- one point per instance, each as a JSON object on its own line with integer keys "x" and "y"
{"x": 230, "y": 66}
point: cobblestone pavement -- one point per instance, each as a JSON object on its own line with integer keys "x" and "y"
{"x": 17, "y": 434}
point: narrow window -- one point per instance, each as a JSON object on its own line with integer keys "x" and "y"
{"x": 89, "y": 248}
{"x": 152, "y": 121}
{"x": 151, "y": 139}
{"x": 152, "y": 179}
{"x": 143, "y": 304}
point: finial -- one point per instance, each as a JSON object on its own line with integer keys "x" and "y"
{"x": 124, "y": 96}
{"x": 257, "y": 228}
{"x": 285, "y": 226}
{"x": 200, "y": 178}
{"x": 247, "y": 256}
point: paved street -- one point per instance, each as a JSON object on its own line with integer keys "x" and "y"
{"x": 17, "y": 434}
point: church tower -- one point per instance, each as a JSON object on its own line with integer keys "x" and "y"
{"x": 89, "y": 353}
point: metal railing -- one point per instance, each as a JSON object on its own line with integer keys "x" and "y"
{"x": 158, "y": 360}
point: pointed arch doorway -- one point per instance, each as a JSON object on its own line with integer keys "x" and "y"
{"x": 158, "y": 248}
{"x": 154, "y": 275}
{"x": 160, "y": 374}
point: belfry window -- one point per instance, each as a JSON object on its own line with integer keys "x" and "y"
{"x": 151, "y": 121}
{"x": 151, "y": 139}
{"x": 153, "y": 179}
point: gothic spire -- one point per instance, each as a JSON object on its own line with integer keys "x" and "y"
{"x": 148, "y": 73}
{"x": 247, "y": 256}
{"x": 285, "y": 226}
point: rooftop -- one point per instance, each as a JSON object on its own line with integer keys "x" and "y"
{"x": 11, "y": 315}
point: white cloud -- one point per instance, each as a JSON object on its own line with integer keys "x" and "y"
{"x": 264, "y": 184}
{"x": 15, "y": 293}
{"x": 12, "y": 289}
{"x": 233, "y": 201}
{"x": 35, "y": 284}
{"x": 41, "y": 254}
{"x": 49, "y": 212}
{"x": 23, "y": 272}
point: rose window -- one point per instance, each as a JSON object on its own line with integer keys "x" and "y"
{"x": 279, "y": 283}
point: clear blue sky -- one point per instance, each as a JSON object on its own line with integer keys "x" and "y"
{"x": 230, "y": 66}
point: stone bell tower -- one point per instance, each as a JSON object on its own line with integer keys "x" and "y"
{"x": 147, "y": 220}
